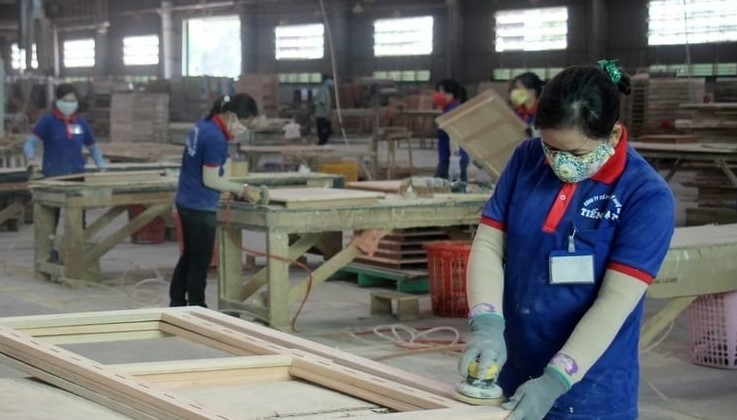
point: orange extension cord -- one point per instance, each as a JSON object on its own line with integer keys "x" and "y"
{"x": 255, "y": 253}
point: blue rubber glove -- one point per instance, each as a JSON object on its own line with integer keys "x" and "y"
{"x": 534, "y": 398}
{"x": 486, "y": 344}
{"x": 96, "y": 155}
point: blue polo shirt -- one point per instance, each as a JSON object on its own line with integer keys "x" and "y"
{"x": 624, "y": 215}
{"x": 207, "y": 145}
{"x": 63, "y": 139}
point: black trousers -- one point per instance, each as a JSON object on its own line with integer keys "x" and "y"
{"x": 190, "y": 275}
{"x": 324, "y": 130}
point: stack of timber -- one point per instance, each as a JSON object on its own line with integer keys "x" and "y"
{"x": 140, "y": 117}
{"x": 264, "y": 88}
{"x": 715, "y": 199}
{"x": 713, "y": 122}
{"x": 725, "y": 90}
{"x": 100, "y": 104}
{"x": 419, "y": 125}
{"x": 633, "y": 105}
{"x": 664, "y": 97}
{"x": 404, "y": 249}
{"x": 192, "y": 97}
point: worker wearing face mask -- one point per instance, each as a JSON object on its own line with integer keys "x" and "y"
{"x": 449, "y": 94}
{"x": 201, "y": 181}
{"x": 63, "y": 134}
{"x": 524, "y": 91}
{"x": 323, "y": 109}
{"x": 576, "y": 231}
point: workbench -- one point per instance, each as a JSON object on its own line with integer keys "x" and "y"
{"x": 80, "y": 254}
{"x": 701, "y": 260}
{"x": 720, "y": 154}
{"x": 141, "y": 152}
{"x": 316, "y": 227}
{"x": 14, "y": 198}
{"x": 308, "y": 155}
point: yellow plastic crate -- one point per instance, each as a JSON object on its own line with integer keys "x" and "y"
{"x": 347, "y": 168}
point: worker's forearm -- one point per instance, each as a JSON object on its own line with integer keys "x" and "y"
{"x": 485, "y": 278}
{"x": 29, "y": 147}
{"x": 618, "y": 296}
{"x": 212, "y": 179}
{"x": 96, "y": 154}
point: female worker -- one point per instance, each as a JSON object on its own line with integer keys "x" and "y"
{"x": 576, "y": 230}
{"x": 201, "y": 182}
{"x": 448, "y": 95}
{"x": 62, "y": 133}
{"x": 524, "y": 91}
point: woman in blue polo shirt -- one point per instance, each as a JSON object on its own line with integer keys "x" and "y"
{"x": 448, "y": 95}
{"x": 201, "y": 181}
{"x": 63, "y": 134}
{"x": 576, "y": 230}
{"x": 524, "y": 92}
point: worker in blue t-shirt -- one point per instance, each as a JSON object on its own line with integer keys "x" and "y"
{"x": 577, "y": 228}
{"x": 448, "y": 95}
{"x": 201, "y": 181}
{"x": 524, "y": 91}
{"x": 63, "y": 134}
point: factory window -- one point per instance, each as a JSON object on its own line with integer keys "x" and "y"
{"x": 403, "y": 36}
{"x": 675, "y": 22}
{"x": 212, "y": 46}
{"x": 303, "y": 78}
{"x": 531, "y": 29}
{"x": 697, "y": 69}
{"x": 18, "y": 57}
{"x": 79, "y": 53}
{"x": 141, "y": 50}
{"x": 300, "y": 42}
{"x": 404, "y": 75}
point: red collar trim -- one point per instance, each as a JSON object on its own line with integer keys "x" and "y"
{"x": 522, "y": 110}
{"x": 612, "y": 170}
{"x": 221, "y": 125}
{"x": 59, "y": 115}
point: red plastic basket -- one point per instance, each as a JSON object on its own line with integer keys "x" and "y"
{"x": 180, "y": 240}
{"x": 713, "y": 330}
{"x": 446, "y": 266}
{"x": 152, "y": 233}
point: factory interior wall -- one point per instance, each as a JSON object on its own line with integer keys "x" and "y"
{"x": 617, "y": 29}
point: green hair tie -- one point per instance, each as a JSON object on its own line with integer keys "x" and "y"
{"x": 611, "y": 68}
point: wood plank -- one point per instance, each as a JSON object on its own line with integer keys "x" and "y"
{"x": 70, "y": 365}
{"x": 320, "y": 197}
{"x": 465, "y": 413}
{"x": 111, "y": 214}
{"x": 89, "y": 328}
{"x": 287, "y": 340}
{"x": 27, "y": 323}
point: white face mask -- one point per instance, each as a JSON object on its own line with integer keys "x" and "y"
{"x": 236, "y": 128}
{"x": 66, "y": 107}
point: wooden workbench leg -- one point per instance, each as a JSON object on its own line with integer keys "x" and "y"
{"x": 727, "y": 171}
{"x": 230, "y": 264}
{"x": 73, "y": 246}
{"x": 658, "y": 322}
{"x": 375, "y": 156}
{"x": 277, "y": 244}
{"x": 43, "y": 232}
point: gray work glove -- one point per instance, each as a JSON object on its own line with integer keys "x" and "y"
{"x": 534, "y": 398}
{"x": 486, "y": 344}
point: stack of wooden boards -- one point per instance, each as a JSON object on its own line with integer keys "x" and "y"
{"x": 264, "y": 88}
{"x": 139, "y": 117}
{"x": 725, "y": 90}
{"x": 192, "y": 97}
{"x": 715, "y": 198}
{"x": 713, "y": 122}
{"x": 653, "y": 105}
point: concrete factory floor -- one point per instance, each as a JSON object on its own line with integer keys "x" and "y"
{"x": 337, "y": 314}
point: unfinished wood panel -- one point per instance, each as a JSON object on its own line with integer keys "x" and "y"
{"x": 319, "y": 197}
{"x": 139, "y": 117}
{"x": 486, "y": 128}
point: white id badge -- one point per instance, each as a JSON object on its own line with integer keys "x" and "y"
{"x": 571, "y": 266}
{"x": 75, "y": 129}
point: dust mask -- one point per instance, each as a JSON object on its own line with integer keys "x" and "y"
{"x": 236, "y": 128}
{"x": 571, "y": 168}
{"x": 519, "y": 96}
{"x": 65, "y": 107}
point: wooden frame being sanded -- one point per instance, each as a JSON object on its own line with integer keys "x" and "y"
{"x": 259, "y": 354}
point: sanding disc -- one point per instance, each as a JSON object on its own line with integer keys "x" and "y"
{"x": 478, "y": 401}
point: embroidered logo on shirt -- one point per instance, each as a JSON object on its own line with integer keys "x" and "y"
{"x": 192, "y": 142}
{"x": 593, "y": 208}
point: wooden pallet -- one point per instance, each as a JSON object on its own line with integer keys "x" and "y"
{"x": 258, "y": 354}
{"x": 405, "y": 281}
{"x": 403, "y": 249}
